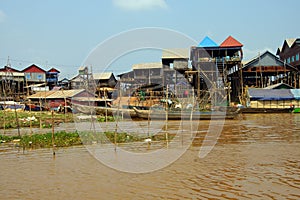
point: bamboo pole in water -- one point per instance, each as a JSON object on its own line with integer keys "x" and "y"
{"x": 117, "y": 121}
{"x": 40, "y": 113}
{"x": 167, "y": 109}
{"x": 30, "y": 121}
{"x": 17, "y": 120}
{"x": 4, "y": 121}
{"x": 53, "y": 144}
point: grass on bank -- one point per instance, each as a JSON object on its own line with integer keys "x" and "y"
{"x": 35, "y": 119}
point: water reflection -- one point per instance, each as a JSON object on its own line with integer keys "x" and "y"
{"x": 256, "y": 157}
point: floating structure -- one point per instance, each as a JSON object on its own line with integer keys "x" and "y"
{"x": 272, "y": 100}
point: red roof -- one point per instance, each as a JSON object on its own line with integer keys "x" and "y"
{"x": 53, "y": 70}
{"x": 231, "y": 42}
{"x": 8, "y": 69}
{"x": 34, "y": 69}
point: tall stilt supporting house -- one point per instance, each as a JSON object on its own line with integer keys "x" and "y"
{"x": 217, "y": 71}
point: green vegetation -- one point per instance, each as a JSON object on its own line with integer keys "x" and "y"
{"x": 37, "y": 119}
{"x": 64, "y": 139}
{"x": 61, "y": 139}
{"x": 8, "y": 119}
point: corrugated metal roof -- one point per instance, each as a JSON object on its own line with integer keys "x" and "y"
{"x": 40, "y": 95}
{"x": 102, "y": 76}
{"x": 53, "y": 70}
{"x": 34, "y": 68}
{"x": 267, "y": 59}
{"x": 82, "y": 68}
{"x": 175, "y": 53}
{"x": 231, "y": 42}
{"x": 56, "y": 94}
{"x": 207, "y": 42}
{"x": 279, "y": 86}
{"x": 147, "y": 65}
{"x": 270, "y": 94}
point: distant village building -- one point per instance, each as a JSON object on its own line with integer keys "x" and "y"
{"x": 267, "y": 69}
{"x": 167, "y": 72}
{"x": 34, "y": 75}
{"x": 290, "y": 54}
{"x": 53, "y": 99}
{"x": 93, "y": 81}
{"x": 147, "y": 73}
{"x": 82, "y": 80}
{"x": 64, "y": 83}
{"x": 52, "y": 78}
{"x": 105, "y": 79}
{"x": 12, "y": 84}
{"x": 217, "y": 67}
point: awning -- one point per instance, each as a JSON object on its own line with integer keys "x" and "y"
{"x": 270, "y": 94}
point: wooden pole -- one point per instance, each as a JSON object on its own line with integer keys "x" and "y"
{"x": 17, "y": 120}
{"x": 4, "y": 121}
{"x": 40, "y": 113}
{"x": 167, "y": 109}
{"x": 53, "y": 142}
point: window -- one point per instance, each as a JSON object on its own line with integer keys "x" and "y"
{"x": 293, "y": 58}
{"x": 297, "y": 57}
{"x": 288, "y": 60}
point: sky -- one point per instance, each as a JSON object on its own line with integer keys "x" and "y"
{"x": 62, "y": 34}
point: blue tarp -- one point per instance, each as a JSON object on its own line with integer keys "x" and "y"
{"x": 207, "y": 42}
{"x": 270, "y": 94}
{"x": 296, "y": 93}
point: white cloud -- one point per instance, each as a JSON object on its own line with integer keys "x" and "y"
{"x": 2, "y": 16}
{"x": 136, "y": 5}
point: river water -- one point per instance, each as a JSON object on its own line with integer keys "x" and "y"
{"x": 255, "y": 157}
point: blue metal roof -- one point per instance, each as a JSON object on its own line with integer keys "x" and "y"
{"x": 296, "y": 93}
{"x": 270, "y": 94}
{"x": 207, "y": 42}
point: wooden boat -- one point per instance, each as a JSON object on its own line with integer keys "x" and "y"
{"x": 99, "y": 110}
{"x": 296, "y": 110}
{"x": 184, "y": 115}
{"x": 266, "y": 110}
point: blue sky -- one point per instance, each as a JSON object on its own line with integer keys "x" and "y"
{"x": 61, "y": 34}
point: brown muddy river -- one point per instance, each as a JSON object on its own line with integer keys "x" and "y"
{"x": 255, "y": 157}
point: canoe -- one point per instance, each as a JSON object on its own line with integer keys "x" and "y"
{"x": 296, "y": 110}
{"x": 266, "y": 110}
{"x": 98, "y": 110}
{"x": 184, "y": 115}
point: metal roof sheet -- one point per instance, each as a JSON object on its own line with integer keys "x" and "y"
{"x": 56, "y": 94}
{"x": 102, "y": 76}
{"x": 207, "y": 42}
{"x": 279, "y": 86}
{"x": 231, "y": 42}
{"x": 147, "y": 65}
{"x": 270, "y": 94}
{"x": 33, "y": 69}
{"x": 267, "y": 59}
{"x": 175, "y": 53}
